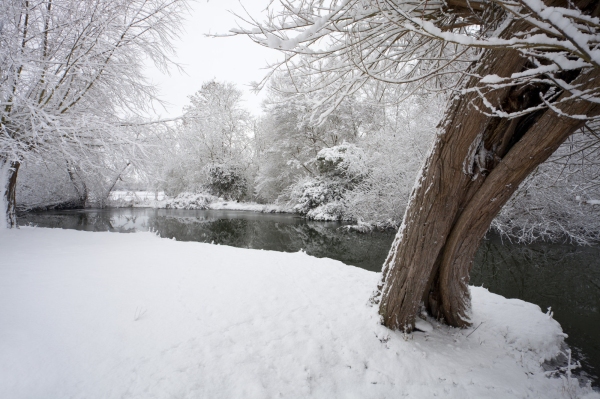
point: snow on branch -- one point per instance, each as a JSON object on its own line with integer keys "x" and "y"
{"x": 428, "y": 45}
{"x": 71, "y": 81}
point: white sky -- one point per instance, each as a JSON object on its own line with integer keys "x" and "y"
{"x": 234, "y": 59}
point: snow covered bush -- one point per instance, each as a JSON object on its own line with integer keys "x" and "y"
{"x": 190, "y": 201}
{"x": 345, "y": 161}
{"x": 288, "y": 141}
{"x": 227, "y": 181}
{"x": 321, "y": 197}
{"x": 335, "y": 210}
{"x": 318, "y": 198}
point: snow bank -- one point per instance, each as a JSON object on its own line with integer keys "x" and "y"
{"x": 105, "y": 315}
{"x": 190, "y": 201}
{"x": 148, "y": 199}
{"x": 137, "y": 199}
{"x": 249, "y": 206}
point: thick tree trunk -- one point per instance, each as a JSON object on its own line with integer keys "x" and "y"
{"x": 538, "y": 142}
{"x": 442, "y": 191}
{"x": 477, "y": 162}
{"x": 8, "y": 186}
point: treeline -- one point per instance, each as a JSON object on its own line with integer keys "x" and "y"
{"x": 357, "y": 163}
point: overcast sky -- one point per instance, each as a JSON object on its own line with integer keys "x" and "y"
{"x": 234, "y": 59}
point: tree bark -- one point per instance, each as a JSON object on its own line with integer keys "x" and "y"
{"x": 8, "y": 185}
{"x": 540, "y": 141}
{"x": 476, "y": 163}
{"x": 441, "y": 192}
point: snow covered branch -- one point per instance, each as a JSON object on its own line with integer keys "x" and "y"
{"x": 71, "y": 81}
{"x": 424, "y": 44}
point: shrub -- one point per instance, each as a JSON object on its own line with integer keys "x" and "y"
{"x": 227, "y": 181}
{"x": 344, "y": 161}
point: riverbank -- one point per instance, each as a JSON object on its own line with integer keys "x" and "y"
{"x": 192, "y": 201}
{"x": 189, "y": 201}
{"x": 101, "y": 315}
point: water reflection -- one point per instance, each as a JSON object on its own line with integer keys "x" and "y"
{"x": 561, "y": 276}
{"x": 564, "y": 277}
{"x": 277, "y": 232}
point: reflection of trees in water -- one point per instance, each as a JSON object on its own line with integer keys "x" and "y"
{"x": 317, "y": 239}
{"x": 564, "y": 277}
{"x": 364, "y": 250}
{"x": 287, "y": 234}
{"x": 540, "y": 271}
{"x": 221, "y": 231}
{"x": 86, "y": 221}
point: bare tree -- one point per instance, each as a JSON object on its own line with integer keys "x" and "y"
{"x": 522, "y": 76}
{"x": 71, "y": 80}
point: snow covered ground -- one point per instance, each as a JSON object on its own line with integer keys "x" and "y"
{"x": 150, "y": 199}
{"x": 105, "y": 315}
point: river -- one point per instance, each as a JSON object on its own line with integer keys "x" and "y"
{"x": 561, "y": 276}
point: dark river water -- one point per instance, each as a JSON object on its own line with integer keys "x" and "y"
{"x": 561, "y": 276}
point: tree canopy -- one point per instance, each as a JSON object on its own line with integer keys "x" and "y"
{"x": 71, "y": 81}
{"x": 433, "y": 45}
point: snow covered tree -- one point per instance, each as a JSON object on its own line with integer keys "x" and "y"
{"x": 71, "y": 80}
{"x": 217, "y": 123}
{"x": 289, "y": 141}
{"x": 394, "y": 155}
{"x": 213, "y": 140}
{"x": 523, "y": 77}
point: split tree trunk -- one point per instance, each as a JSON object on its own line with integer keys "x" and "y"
{"x": 8, "y": 187}
{"x": 538, "y": 142}
{"x": 476, "y": 164}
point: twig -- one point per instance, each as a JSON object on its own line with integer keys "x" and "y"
{"x": 475, "y": 329}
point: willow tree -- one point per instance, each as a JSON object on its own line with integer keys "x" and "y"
{"x": 71, "y": 80}
{"x": 522, "y": 76}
